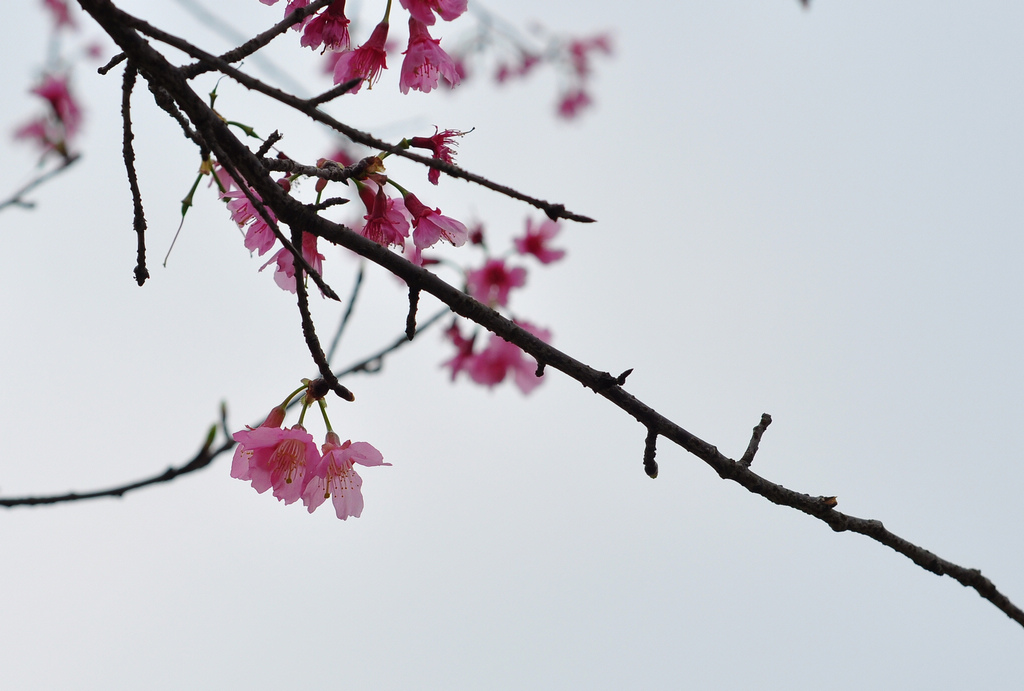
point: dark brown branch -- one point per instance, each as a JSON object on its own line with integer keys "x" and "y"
{"x": 261, "y": 39}
{"x": 650, "y": 449}
{"x": 309, "y": 331}
{"x": 372, "y": 364}
{"x": 410, "y": 319}
{"x": 755, "y": 440}
{"x": 139, "y": 223}
{"x": 200, "y": 461}
{"x": 554, "y": 211}
{"x": 331, "y": 94}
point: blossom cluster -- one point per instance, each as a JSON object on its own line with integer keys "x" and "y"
{"x": 53, "y": 130}
{"x": 492, "y": 285}
{"x": 287, "y": 461}
{"x": 424, "y": 63}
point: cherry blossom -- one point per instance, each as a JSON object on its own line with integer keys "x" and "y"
{"x": 329, "y": 28}
{"x": 464, "y": 355}
{"x": 535, "y": 241}
{"x": 365, "y": 62}
{"x": 55, "y": 90}
{"x": 423, "y": 10}
{"x": 259, "y": 237}
{"x": 271, "y": 457}
{"x": 429, "y": 225}
{"x": 386, "y": 223}
{"x": 491, "y": 284}
{"x": 425, "y": 61}
{"x": 61, "y": 17}
{"x": 441, "y": 146}
{"x": 491, "y": 365}
{"x": 284, "y": 276}
{"x": 335, "y": 476}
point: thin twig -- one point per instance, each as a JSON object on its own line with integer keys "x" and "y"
{"x": 139, "y": 223}
{"x": 755, "y": 440}
{"x": 16, "y": 197}
{"x": 348, "y": 312}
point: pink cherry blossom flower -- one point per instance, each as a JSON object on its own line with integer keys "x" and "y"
{"x": 535, "y": 241}
{"x": 335, "y": 476}
{"x": 386, "y": 224}
{"x": 430, "y": 226}
{"x": 464, "y": 354}
{"x": 61, "y": 17}
{"x": 365, "y": 62}
{"x": 284, "y": 276}
{"x": 441, "y": 146}
{"x": 491, "y": 365}
{"x": 580, "y": 49}
{"x": 491, "y": 284}
{"x": 425, "y": 61}
{"x": 260, "y": 236}
{"x": 329, "y": 28}
{"x": 269, "y": 456}
{"x": 55, "y": 90}
{"x": 423, "y": 10}
{"x": 573, "y": 102}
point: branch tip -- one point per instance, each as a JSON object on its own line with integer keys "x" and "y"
{"x": 755, "y": 440}
{"x": 650, "y": 444}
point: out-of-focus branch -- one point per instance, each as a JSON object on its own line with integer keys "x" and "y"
{"x": 17, "y": 198}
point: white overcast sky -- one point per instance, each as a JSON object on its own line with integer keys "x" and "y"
{"x": 811, "y": 214}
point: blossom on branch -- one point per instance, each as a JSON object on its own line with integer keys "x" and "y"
{"x": 365, "y": 62}
{"x": 329, "y": 28}
{"x": 491, "y": 365}
{"x": 429, "y": 225}
{"x": 284, "y": 276}
{"x": 425, "y": 61}
{"x": 334, "y": 476}
{"x": 492, "y": 283}
{"x": 386, "y": 223}
{"x": 423, "y": 10}
{"x": 271, "y": 457}
{"x": 440, "y": 146}
{"x": 535, "y": 241}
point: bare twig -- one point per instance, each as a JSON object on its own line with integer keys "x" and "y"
{"x": 755, "y": 440}
{"x": 17, "y": 197}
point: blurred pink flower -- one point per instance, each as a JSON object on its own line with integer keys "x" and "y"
{"x": 491, "y": 365}
{"x": 491, "y": 284}
{"x": 425, "y": 61}
{"x": 335, "y": 476}
{"x": 535, "y": 241}
{"x": 423, "y": 10}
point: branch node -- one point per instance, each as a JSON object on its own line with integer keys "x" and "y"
{"x": 755, "y": 440}
{"x": 540, "y": 368}
{"x": 621, "y": 379}
{"x": 650, "y": 465}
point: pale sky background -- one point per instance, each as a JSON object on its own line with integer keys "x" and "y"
{"x": 812, "y": 214}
